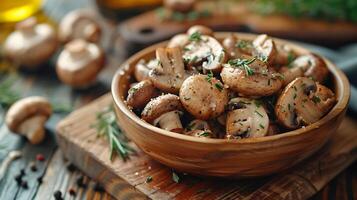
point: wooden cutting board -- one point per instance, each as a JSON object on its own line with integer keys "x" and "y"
{"x": 126, "y": 180}
{"x": 150, "y": 27}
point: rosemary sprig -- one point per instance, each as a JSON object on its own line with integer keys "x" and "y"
{"x": 107, "y": 126}
{"x": 8, "y": 96}
{"x": 243, "y": 64}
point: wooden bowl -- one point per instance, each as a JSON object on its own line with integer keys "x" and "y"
{"x": 249, "y": 157}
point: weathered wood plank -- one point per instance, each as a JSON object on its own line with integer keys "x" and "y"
{"x": 128, "y": 178}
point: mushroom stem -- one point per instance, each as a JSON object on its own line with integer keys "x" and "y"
{"x": 170, "y": 121}
{"x": 33, "y": 129}
{"x": 77, "y": 48}
{"x": 27, "y": 26}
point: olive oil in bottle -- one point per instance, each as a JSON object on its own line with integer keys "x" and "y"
{"x": 17, "y": 10}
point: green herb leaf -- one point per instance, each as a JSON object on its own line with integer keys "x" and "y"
{"x": 316, "y": 99}
{"x": 259, "y": 113}
{"x": 219, "y": 86}
{"x": 243, "y": 64}
{"x": 175, "y": 177}
{"x": 106, "y": 125}
{"x": 195, "y": 37}
{"x": 8, "y": 96}
{"x": 148, "y": 179}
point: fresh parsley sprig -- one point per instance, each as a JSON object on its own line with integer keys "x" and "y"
{"x": 107, "y": 126}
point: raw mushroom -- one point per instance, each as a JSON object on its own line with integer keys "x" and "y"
{"x": 142, "y": 69}
{"x": 203, "y": 30}
{"x": 164, "y": 111}
{"x": 179, "y": 5}
{"x": 79, "y": 63}
{"x": 303, "y": 102}
{"x": 205, "y": 51}
{"x": 309, "y": 65}
{"x": 199, "y": 128}
{"x": 140, "y": 94}
{"x": 28, "y": 117}
{"x": 251, "y": 77}
{"x": 246, "y": 118}
{"x": 264, "y": 49}
{"x": 79, "y": 24}
{"x": 169, "y": 73}
{"x": 31, "y": 44}
{"x": 236, "y": 47}
{"x": 203, "y": 96}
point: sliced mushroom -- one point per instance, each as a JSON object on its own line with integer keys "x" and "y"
{"x": 236, "y": 47}
{"x": 303, "y": 102}
{"x": 203, "y": 96}
{"x": 28, "y": 116}
{"x": 246, "y": 119}
{"x": 309, "y": 65}
{"x": 170, "y": 72}
{"x": 142, "y": 69}
{"x": 79, "y": 63}
{"x": 251, "y": 77}
{"x": 199, "y": 128}
{"x": 264, "y": 48}
{"x": 140, "y": 94}
{"x": 79, "y": 24}
{"x": 179, "y": 5}
{"x": 284, "y": 55}
{"x": 205, "y": 51}
{"x": 164, "y": 111}
{"x": 31, "y": 44}
{"x": 203, "y": 30}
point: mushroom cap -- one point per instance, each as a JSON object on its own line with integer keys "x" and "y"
{"x": 79, "y": 24}
{"x": 203, "y": 30}
{"x": 31, "y": 44}
{"x": 179, "y": 5}
{"x": 314, "y": 66}
{"x": 236, "y": 47}
{"x": 259, "y": 81}
{"x": 79, "y": 63}
{"x": 246, "y": 119}
{"x": 142, "y": 69}
{"x": 264, "y": 48}
{"x": 290, "y": 73}
{"x": 284, "y": 54}
{"x": 161, "y": 105}
{"x": 205, "y": 51}
{"x": 200, "y": 133}
{"x": 203, "y": 96}
{"x": 26, "y": 108}
{"x": 302, "y": 102}
{"x": 179, "y": 40}
{"x": 170, "y": 72}
{"x": 140, "y": 94}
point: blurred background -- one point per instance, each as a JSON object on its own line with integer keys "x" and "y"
{"x": 327, "y": 27}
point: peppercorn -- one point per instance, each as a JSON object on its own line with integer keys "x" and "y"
{"x": 24, "y": 185}
{"x": 18, "y": 179}
{"x": 72, "y": 192}
{"x": 80, "y": 181}
{"x": 58, "y": 195}
{"x": 33, "y": 166}
{"x": 71, "y": 167}
{"x": 98, "y": 187}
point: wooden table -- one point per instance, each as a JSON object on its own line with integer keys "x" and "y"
{"x": 54, "y": 171}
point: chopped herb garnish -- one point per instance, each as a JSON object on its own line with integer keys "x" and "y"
{"x": 295, "y": 96}
{"x": 295, "y": 88}
{"x": 195, "y": 37}
{"x": 204, "y": 134}
{"x": 289, "y": 107}
{"x": 259, "y": 113}
{"x": 187, "y": 98}
{"x": 219, "y": 86}
{"x": 209, "y": 76}
{"x": 148, "y": 179}
{"x": 132, "y": 90}
{"x": 291, "y": 57}
{"x": 175, "y": 177}
{"x": 186, "y": 49}
{"x": 261, "y": 126}
{"x": 242, "y": 44}
{"x": 194, "y": 59}
{"x": 221, "y": 56}
{"x": 258, "y": 103}
{"x": 316, "y": 99}
{"x": 243, "y": 64}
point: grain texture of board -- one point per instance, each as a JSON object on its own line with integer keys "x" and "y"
{"x": 125, "y": 180}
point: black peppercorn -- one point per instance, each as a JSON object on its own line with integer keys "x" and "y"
{"x": 98, "y": 187}
{"x": 71, "y": 167}
{"x": 58, "y": 195}
{"x": 18, "y": 179}
{"x": 80, "y": 181}
{"x": 33, "y": 166}
{"x": 72, "y": 192}
{"x": 24, "y": 185}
